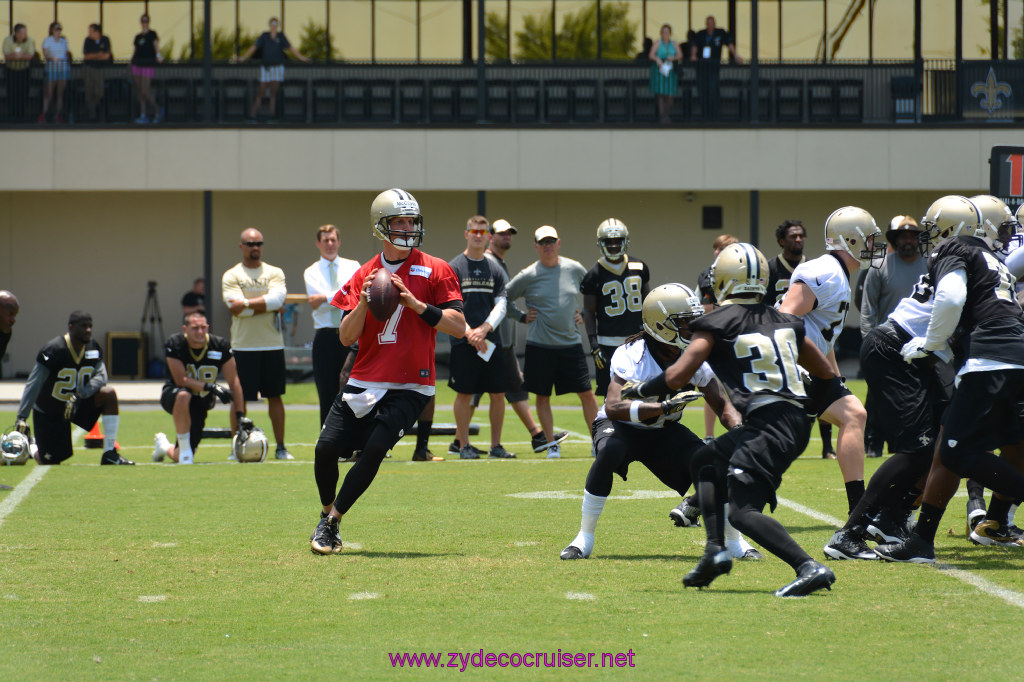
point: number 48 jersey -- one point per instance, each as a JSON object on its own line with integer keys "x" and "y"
{"x": 755, "y": 353}
{"x": 617, "y": 287}
{"x": 69, "y": 372}
{"x": 204, "y": 363}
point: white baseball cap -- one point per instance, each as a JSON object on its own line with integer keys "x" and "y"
{"x": 543, "y": 232}
{"x": 502, "y": 225}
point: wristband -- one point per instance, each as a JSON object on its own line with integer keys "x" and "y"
{"x": 634, "y": 410}
{"x": 431, "y": 315}
{"x": 245, "y": 303}
{"x": 656, "y": 386}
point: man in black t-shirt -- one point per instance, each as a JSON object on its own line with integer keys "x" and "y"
{"x": 194, "y": 300}
{"x": 95, "y": 56}
{"x": 272, "y": 45}
{"x": 706, "y": 50}
{"x": 9, "y": 308}
{"x": 194, "y": 358}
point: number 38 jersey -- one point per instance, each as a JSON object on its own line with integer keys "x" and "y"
{"x": 755, "y": 353}
{"x": 203, "y": 363}
{"x": 829, "y": 281}
{"x": 69, "y": 372}
{"x": 617, "y": 287}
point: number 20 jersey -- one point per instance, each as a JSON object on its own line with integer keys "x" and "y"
{"x": 68, "y": 373}
{"x": 755, "y": 353}
{"x": 203, "y": 365}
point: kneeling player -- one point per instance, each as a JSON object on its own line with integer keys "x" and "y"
{"x": 194, "y": 357}
{"x": 753, "y": 350}
{"x": 649, "y": 432}
{"x": 68, "y": 385}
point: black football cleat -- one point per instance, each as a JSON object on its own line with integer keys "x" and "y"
{"x": 326, "y": 537}
{"x": 715, "y": 562}
{"x": 540, "y": 442}
{"x": 914, "y": 550}
{"x": 752, "y": 555}
{"x": 686, "y": 514}
{"x": 890, "y": 526}
{"x": 112, "y": 456}
{"x": 571, "y": 552}
{"x": 846, "y": 544}
{"x": 810, "y": 577}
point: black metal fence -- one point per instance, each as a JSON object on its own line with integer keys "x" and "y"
{"x": 524, "y": 95}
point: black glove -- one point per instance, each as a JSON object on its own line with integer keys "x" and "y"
{"x": 223, "y": 393}
{"x": 677, "y": 402}
{"x": 636, "y": 390}
{"x": 600, "y": 361}
{"x": 70, "y": 408}
{"x": 245, "y": 425}
{"x": 21, "y": 426}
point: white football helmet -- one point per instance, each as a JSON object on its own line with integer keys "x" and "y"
{"x": 252, "y": 449}
{"x": 740, "y": 269}
{"x": 609, "y": 230}
{"x": 15, "y": 448}
{"x": 666, "y": 310}
{"x": 950, "y": 216}
{"x": 999, "y": 225}
{"x": 391, "y": 203}
{"x": 854, "y": 231}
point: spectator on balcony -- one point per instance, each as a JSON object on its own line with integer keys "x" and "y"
{"x": 644, "y": 54}
{"x": 19, "y": 50}
{"x": 58, "y": 69}
{"x": 95, "y": 56}
{"x": 664, "y": 82}
{"x": 272, "y": 45}
{"x": 144, "y": 60}
{"x": 706, "y": 50}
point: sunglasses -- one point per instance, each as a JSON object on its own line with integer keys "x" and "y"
{"x": 477, "y": 233}
{"x": 547, "y": 241}
{"x": 252, "y": 245}
{"x": 144, "y": 21}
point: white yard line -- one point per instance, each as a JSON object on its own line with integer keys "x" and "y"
{"x": 988, "y": 587}
{"x": 20, "y": 492}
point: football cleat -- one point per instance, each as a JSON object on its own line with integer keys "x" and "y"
{"x": 455, "y": 449}
{"x": 499, "y": 452}
{"x": 469, "y": 452}
{"x": 715, "y": 562}
{"x": 686, "y": 514}
{"x": 810, "y": 577}
{"x": 326, "y": 538}
{"x": 991, "y": 533}
{"x": 554, "y": 452}
{"x": 572, "y": 552}
{"x": 890, "y": 526}
{"x": 913, "y": 550}
{"x": 846, "y": 544}
{"x": 160, "y": 447}
{"x": 975, "y": 513}
{"x": 540, "y": 442}
{"x": 282, "y": 453}
{"x": 112, "y": 456}
{"x": 752, "y": 555}
{"x": 423, "y": 455}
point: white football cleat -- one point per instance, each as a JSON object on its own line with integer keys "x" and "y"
{"x": 160, "y": 447}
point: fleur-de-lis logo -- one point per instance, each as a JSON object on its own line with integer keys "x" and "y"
{"x": 990, "y": 90}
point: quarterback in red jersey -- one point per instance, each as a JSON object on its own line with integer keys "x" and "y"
{"x": 393, "y": 376}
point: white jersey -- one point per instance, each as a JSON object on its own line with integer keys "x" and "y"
{"x": 914, "y": 312}
{"x": 633, "y": 362}
{"x": 830, "y": 283}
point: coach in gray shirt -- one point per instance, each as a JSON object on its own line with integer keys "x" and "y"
{"x": 554, "y": 346}
{"x": 885, "y": 286}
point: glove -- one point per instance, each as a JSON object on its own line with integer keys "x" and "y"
{"x": 245, "y": 426}
{"x": 677, "y": 402}
{"x": 223, "y": 393}
{"x": 70, "y": 408}
{"x": 631, "y": 390}
{"x": 600, "y": 361}
{"x": 21, "y": 426}
{"x": 914, "y": 349}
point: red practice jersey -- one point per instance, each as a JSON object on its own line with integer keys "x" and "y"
{"x": 401, "y": 350}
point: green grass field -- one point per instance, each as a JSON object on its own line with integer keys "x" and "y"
{"x": 204, "y": 572}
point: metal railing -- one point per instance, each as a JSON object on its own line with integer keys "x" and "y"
{"x": 529, "y": 95}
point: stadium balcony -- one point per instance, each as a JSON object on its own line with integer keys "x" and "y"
{"x": 545, "y": 95}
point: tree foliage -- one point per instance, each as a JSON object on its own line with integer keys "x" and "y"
{"x": 314, "y": 43}
{"x": 575, "y": 39}
{"x": 1016, "y": 34}
{"x": 222, "y": 45}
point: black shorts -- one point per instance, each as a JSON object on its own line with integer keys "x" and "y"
{"x": 261, "y": 373}
{"x": 604, "y": 374}
{"x": 514, "y": 392}
{"x": 984, "y": 410}
{"x": 472, "y": 374}
{"x": 198, "y": 408}
{"x": 565, "y": 369}
{"x": 761, "y": 450}
{"x": 397, "y": 411}
{"x": 837, "y": 391}
{"x": 53, "y": 434}
{"x": 906, "y": 400}
{"x": 665, "y": 451}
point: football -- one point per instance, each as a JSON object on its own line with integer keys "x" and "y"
{"x": 382, "y": 298}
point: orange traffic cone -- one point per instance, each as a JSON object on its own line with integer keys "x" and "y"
{"x": 94, "y": 439}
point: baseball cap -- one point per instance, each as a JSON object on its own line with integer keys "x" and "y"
{"x": 502, "y": 225}
{"x": 543, "y": 232}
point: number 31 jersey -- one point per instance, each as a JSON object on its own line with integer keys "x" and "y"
{"x": 69, "y": 372}
{"x": 617, "y": 287}
{"x": 755, "y": 353}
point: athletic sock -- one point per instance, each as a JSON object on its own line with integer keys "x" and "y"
{"x": 185, "y": 454}
{"x": 1011, "y": 513}
{"x": 734, "y": 541}
{"x": 998, "y": 510}
{"x": 854, "y": 491}
{"x": 110, "y": 423}
{"x": 975, "y": 490}
{"x": 928, "y": 522}
{"x": 593, "y": 505}
{"x": 423, "y": 434}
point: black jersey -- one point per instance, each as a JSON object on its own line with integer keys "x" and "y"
{"x": 483, "y": 283}
{"x": 5, "y": 338}
{"x": 617, "y": 288}
{"x": 202, "y": 364}
{"x": 755, "y": 352}
{"x": 992, "y": 320}
{"x": 69, "y": 372}
{"x": 779, "y": 271}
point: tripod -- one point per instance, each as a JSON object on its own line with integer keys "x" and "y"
{"x": 151, "y": 309}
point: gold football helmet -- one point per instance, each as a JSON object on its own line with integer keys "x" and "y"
{"x": 613, "y": 238}
{"x": 950, "y": 216}
{"x": 249, "y": 446}
{"x": 666, "y": 310}
{"x": 999, "y": 225}
{"x": 740, "y": 269}
{"x": 15, "y": 448}
{"x": 854, "y": 231}
{"x": 391, "y": 203}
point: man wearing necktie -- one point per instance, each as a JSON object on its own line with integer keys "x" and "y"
{"x": 323, "y": 279}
